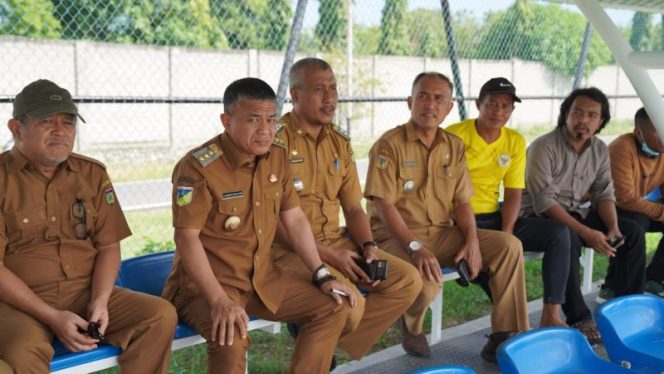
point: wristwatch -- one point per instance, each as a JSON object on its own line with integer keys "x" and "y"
{"x": 414, "y": 246}
{"x": 367, "y": 244}
{"x": 321, "y": 276}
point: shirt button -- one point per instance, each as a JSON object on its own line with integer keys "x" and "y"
{"x": 53, "y": 219}
{"x": 67, "y": 267}
{"x": 257, "y": 203}
{"x": 260, "y": 231}
{"x": 25, "y": 220}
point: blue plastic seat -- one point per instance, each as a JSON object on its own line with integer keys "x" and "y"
{"x": 654, "y": 195}
{"x": 632, "y": 328}
{"x": 552, "y": 350}
{"x": 445, "y": 369}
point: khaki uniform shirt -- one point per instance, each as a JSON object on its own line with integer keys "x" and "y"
{"x": 557, "y": 174}
{"x": 38, "y": 242}
{"x": 634, "y": 176}
{"x": 423, "y": 183}
{"x": 323, "y": 173}
{"x": 213, "y": 186}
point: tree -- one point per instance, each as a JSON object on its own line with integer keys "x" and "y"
{"x": 33, "y": 18}
{"x": 274, "y": 25}
{"x": 641, "y": 31}
{"x": 239, "y": 22}
{"x": 393, "y": 37}
{"x": 90, "y": 19}
{"x": 331, "y": 27}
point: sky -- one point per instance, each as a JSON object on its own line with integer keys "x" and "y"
{"x": 368, "y": 12}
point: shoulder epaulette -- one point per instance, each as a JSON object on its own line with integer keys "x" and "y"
{"x": 278, "y": 142}
{"x": 205, "y": 155}
{"x": 88, "y": 159}
{"x": 344, "y": 134}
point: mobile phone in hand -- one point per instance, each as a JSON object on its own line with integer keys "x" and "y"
{"x": 464, "y": 273}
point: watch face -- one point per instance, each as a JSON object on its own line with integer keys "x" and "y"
{"x": 414, "y": 245}
{"x": 322, "y": 272}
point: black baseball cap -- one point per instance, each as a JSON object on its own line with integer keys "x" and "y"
{"x": 43, "y": 98}
{"x": 499, "y": 85}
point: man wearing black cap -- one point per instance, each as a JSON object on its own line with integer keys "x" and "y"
{"x": 60, "y": 232}
{"x": 495, "y": 155}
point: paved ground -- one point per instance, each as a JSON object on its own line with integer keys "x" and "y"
{"x": 461, "y": 345}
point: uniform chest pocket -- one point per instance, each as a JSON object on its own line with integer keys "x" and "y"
{"x": 273, "y": 203}
{"x": 233, "y": 206}
{"x": 334, "y": 177}
{"x": 24, "y": 224}
{"x": 410, "y": 180}
{"x": 83, "y": 217}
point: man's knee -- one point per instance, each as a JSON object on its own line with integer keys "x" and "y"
{"x": 24, "y": 355}
{"x": 354, "y": 315}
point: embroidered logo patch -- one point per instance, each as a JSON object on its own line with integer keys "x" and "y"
{"x": 504, "y": 160}
{"x": 184, "y": 195}
{"x": 382, "y": 160}
{"x": 109, "y": 196}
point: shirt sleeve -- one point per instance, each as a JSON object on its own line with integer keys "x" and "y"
{"x": 539, "y": 177}
{"x": 382, "y": 172}
{"x": 623, "y": 164}
{"x": 3, "y": 237}
{"x": 110, "y": 225}
{"x": 463, "y": 190}
{"x": 602, "y": 187}
{"x": 350, "y": 192}
{"x": 289, "y": 198}
{"x": 516, "y": 174}
{"x": 192, "y": 200}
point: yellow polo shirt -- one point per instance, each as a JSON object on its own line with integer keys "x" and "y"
{"x": 504, "y": 160}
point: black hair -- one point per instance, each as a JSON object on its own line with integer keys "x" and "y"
{"x": 433, "y": 74}
{"x": 640, "y": 117}
{"x": 247, "y": 89}
{"x": 594, "y": 94}
{"x": 298, "y": 68}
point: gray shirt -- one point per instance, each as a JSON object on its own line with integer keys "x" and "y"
{"x": 557, "y": 174}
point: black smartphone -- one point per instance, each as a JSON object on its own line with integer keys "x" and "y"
{"x": 614, "y": 241}
{"x": 376, "y": 270}
{"x": 464, "y": 274}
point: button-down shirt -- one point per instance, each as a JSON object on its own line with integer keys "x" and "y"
{"x": 215, "y": 186}
{"x": 423, "y": 183}
{"x": 38, "y": 240}
{"x": 557, "y": 174}
{"x": 324, "y": 174}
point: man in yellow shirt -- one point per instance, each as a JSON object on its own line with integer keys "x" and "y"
{"x": 495, "y": 155}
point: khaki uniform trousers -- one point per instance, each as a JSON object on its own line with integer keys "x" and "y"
{"x": 502, "y": 255}
{"x": 321, "y": 318}
{"x": 382, "y": 306}
{"x": 5, "y": 368}
{"x": 142, "y": 325}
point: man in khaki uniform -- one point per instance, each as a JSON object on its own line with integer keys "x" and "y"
{"x": 228, "y": 195}
{"x": 420, "y": 190}
{"x": 325, "y": 177}
{"x": 60, "y": 232}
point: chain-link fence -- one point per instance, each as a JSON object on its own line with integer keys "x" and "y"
{"x": 149, "y": 74}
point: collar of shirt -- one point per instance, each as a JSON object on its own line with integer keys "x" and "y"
{"x": 19, "y": 162}
{"x": 562, "y": 134}
{"x": 411, "y": 134}
{"x": 235, "y": 157}
{"x": 291, "y": 121}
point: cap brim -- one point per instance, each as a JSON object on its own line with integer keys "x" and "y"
{"x": 45, "y": 112}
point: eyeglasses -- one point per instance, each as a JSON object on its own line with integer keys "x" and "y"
{"x": 78, "y": 211}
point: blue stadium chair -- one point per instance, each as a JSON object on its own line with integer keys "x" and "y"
{"x": 632, "y": 328}
{"x": 552, "y": 350}
{"x": 445, "y": 369}
{"x": 654, "y": 195}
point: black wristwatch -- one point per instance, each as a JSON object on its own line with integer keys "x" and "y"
{"x": 367, "y": 244}
{"x": 322, "y": 276}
